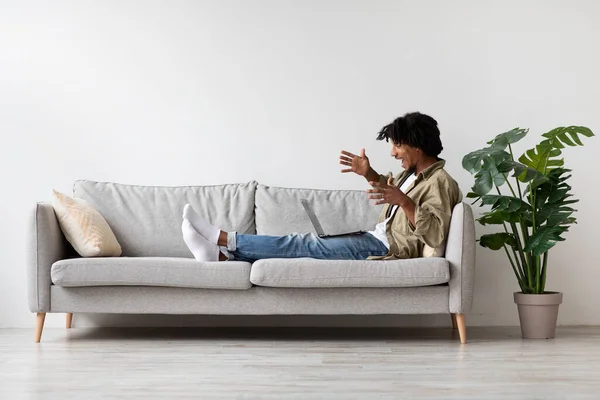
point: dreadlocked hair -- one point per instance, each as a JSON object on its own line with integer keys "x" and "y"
{"x": 415, "y": 130}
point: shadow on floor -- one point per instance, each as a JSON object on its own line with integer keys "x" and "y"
{"x": 475, "y": 334}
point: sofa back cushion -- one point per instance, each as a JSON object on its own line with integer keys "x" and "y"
{"x": 280, "y": 212}
{"x": 147, "y": 219}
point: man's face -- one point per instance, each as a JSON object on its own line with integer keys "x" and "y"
{"x": 407, "y": 154}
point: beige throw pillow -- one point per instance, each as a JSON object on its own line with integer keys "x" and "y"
{"x": 84, "y": 227}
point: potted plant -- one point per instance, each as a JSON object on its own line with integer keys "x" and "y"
{"x": 534, "y": 210}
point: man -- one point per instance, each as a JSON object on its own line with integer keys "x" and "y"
{"x": 419, "y": 203}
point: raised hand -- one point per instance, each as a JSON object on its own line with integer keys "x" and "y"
{"x": 360, "y": 165}
{"x": 387, "y": 193}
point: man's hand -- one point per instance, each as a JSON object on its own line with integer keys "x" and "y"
{"x": 358, "y": 164}
{"x": 387, "y": 193}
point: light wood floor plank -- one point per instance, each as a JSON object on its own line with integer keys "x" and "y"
{"x": 85, "y": 363}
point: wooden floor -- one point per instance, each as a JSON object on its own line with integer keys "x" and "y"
{"x": 300, "y": 363}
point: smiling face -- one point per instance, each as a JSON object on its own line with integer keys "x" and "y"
{"x": 408, "y": 155}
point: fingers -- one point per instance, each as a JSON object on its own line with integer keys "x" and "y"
{"x": 347, "y": 170}
{"x": 382, "y": 185}
{"x": 346, "y": 153}
{"x": 380, "y": 199}
{"x": 362, "y": 153}
{"x": 346, "y": 161}
{"x": 379, "y": 193}
{"x": 390, "y": 181}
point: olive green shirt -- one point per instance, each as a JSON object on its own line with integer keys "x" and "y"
{"x": 435, "y": 193}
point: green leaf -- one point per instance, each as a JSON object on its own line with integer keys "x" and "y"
{"x": 570, "y": 201}
{"x": 576, "y": 138}
{"x": 552, "y": 199}
{"x": 558, "y": 195}
{"x": 562, "y": 178}
{"x": 473, "y": 162}
{"x": 565, "y": 139}
{"x": 544, "y": 156}
{"x": 554, "y": 214}
{"x": 504, "y": 203}
{"x": 483, "y": 184}
{"x": 555, "y": 163}
{"x": 571, "y": 130}
{"x": 476, "y": 160}
{"x": 489, "y": 175}
{"x": 544, "y": 239}
{"x": 498, "y": 218}
{"x": 521, "y": 171}
{"x": 495, "y": 241}
{"x": 504, "y": 139}
{"x": 537, "y": 158}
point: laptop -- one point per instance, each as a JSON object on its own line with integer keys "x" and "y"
{"x": 317, "y": 225}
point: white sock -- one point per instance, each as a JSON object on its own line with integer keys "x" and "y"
{"x": 202, "y": 249}
{"x": 201, "y": 225}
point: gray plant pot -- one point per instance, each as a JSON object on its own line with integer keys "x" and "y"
{"x": 538, "y": 314}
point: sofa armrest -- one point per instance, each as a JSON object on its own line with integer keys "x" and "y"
{"x": 46, "y": 244}
{"x": 460, "y": 253}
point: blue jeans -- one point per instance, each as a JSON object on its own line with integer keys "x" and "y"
{"x": 349, "y": 247}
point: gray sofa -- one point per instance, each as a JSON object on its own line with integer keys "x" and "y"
{"x": 156, "y": 273}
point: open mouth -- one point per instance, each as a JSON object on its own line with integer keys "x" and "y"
{"x": 402, "y": 161}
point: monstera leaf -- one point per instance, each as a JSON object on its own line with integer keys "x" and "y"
{"x": 552, "y": 199}
{"x": 523, "y": 173}
{"x": 495, "y": 241}
{"x": 544, "y": 155}
{"x": 504, "y": 139}
{"x": 475, "y": 161}
{"x": 490, "y": 168}
{"x": 504, "y": 203}
{"x": 544, "y": 239}
{"x": 498, "y": 218}
{"x": 555, "y": 214}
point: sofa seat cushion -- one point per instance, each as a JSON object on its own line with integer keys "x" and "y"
{"x": 312, "y": 273}
{"x": 151, "y": 271}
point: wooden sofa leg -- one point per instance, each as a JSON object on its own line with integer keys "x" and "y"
{"x": 69, "y": 319}
{"x": 453, "y": 317}
{"x": 39, "y": 325}
{"x": 462, "y": 329}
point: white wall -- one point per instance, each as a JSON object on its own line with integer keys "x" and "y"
{"x": 192, "y": 93}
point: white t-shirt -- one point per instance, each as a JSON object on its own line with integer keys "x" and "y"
{"x": 379, "y": 231}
